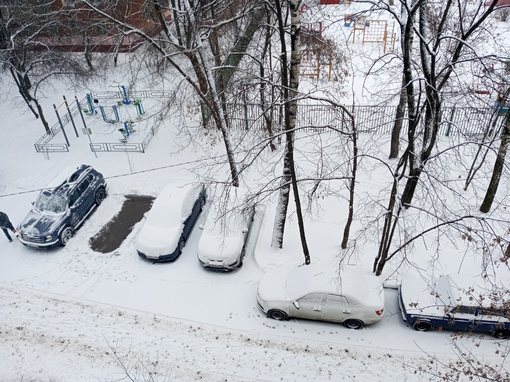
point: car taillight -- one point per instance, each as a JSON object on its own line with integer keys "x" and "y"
{"x": 379, "y": 312}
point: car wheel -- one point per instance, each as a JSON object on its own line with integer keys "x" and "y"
{"x": 501, "y": 334}
{"x": 202, "y": 203}
{"x": 277, "y": 314}
{"x": 66, "y": 234}
{"x": 181, "y": 245}
{"x": 423, "y": 326}
{"x": 353, "y": 324}
{"x": 100, "y": 195}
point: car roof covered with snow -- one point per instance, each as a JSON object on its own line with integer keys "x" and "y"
{"x": 448, "y": 290}
{"x": 174, "y": 202}
{"x": 226, "y": 226}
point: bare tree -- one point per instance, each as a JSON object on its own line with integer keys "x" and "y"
{"x": 439, "y": 57}
{"x": 290, "y": 83}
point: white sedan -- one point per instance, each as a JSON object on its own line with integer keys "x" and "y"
{"x": 319, "y": 292}
{"x": 226, "y": 231}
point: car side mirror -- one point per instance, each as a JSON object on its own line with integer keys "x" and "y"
{"x": 296, "y": 304}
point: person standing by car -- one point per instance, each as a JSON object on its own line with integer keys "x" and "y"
{"x": 5, "y": 224}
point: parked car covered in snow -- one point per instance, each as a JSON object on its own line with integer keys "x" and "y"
{"x": 62, "y": 208}
{"x": 319, "y": 292}
{"x": 454, "y": 302}
{"x": 170, "y": 221}
{"x": 225, "y": 233}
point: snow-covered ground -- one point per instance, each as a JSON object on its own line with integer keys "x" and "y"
{"x": 72, "y": 314}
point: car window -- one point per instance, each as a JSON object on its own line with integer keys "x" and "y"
{"x": 466, "y": 310}
{"x": 334, "y": 299}
{"x": 48, "y": 202}
{"x": 75, "y": 195}
{"x": 313, "y": 298}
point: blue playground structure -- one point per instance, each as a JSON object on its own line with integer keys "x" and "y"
{"x": 127, "y": 130}
{"x": 123, "y": 91}
{"x": 116, "y": 117}
{"x": 91, "y": 110}
{"x": 501, "y": 106}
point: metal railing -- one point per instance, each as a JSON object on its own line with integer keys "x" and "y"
{"x": 466, "y": 121}
{"x": 44, "y": 145}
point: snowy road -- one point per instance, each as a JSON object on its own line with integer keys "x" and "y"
{"x": 92, "y": 340}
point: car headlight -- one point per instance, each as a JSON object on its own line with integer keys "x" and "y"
{"x": 48, "y": 238}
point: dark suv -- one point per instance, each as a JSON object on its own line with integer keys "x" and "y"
{"x": 58, "y": 212}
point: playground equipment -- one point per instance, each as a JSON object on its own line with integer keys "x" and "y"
{"x": 372, "y": 31}
{"x": 116, "y": 117}
{"x": 123, "y": 91}
{"x": 127, "y": 130}
{"x": 313, "y": 28}
{"x": 501, "y": 105}
{"x": 91, "y": 108}
{"x": 139, "y": 107}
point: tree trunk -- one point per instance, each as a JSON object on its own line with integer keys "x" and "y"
{"x": 22, "y": 91}
{"x": 41, "y": 114}
{"x": 267, "y": 110}
{"x": 498, "y": 167}
{"x": 283, "y": 203}
{"x": 352, "y": 185}
{"x": 291, "y": 105}
{"x": 399, "y": 119}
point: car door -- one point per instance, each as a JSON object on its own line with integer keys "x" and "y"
{"x": 336, "y": 308}
{"x": 309, "y": 306}
{"x": 193, "y": 216}
{"x": 78, "y": 202}
{"x": 89, "y": 192}
{"x": 461, "y": 318}
{"x": 246, "y": 230}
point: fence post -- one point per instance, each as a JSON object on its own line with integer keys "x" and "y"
{"x": 452, "y": 114}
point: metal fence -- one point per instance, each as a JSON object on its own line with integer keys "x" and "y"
{"x": 466, "y": 121}
{"x": 45, "y": 146}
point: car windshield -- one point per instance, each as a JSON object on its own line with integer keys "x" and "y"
{"x": 48, "y": 202}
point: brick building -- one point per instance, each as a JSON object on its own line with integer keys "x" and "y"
{"x": 74, "y": 27}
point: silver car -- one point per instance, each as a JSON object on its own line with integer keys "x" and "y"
{"x": 319, "y": 292}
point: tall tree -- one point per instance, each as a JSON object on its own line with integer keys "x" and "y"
{"x": 290, "y": 83}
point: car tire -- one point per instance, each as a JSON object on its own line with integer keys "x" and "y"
{"x": 202, "y": 203}
{"x": 277, "y": 314}
{"x": 353, "y": 324}
{"x": 423, "y": 326}
{"x": 100, "y": 195}
{"x": 501, "y": 334}
{"x": 66, "y": 234}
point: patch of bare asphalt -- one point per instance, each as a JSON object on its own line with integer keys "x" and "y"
{"x": 111, "y": 236}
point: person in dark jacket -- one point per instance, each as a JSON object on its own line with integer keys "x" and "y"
{"x": 6, "y": 224}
